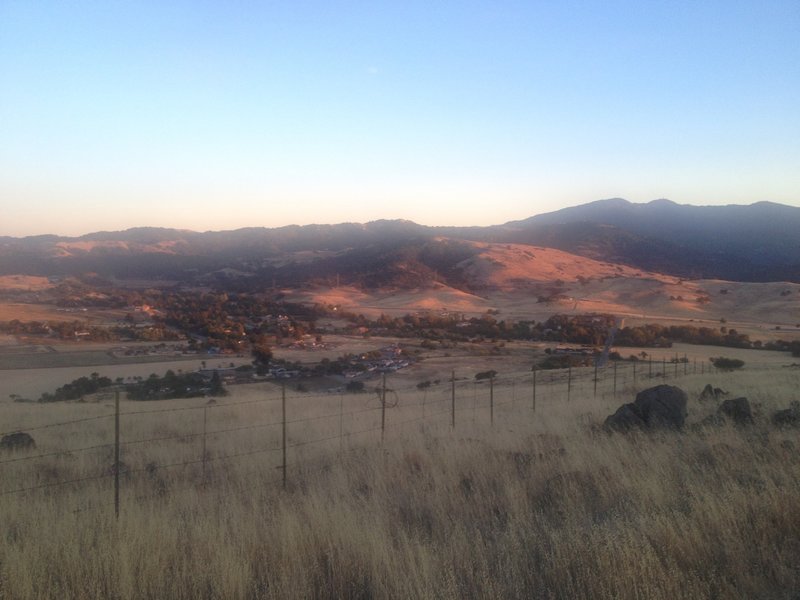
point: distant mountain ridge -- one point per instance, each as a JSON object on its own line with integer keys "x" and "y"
{"x": 757, "y": 242}
{"x": 770, "y": 230}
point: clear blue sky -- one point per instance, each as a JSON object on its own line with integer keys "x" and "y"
{"x": 217, "y": 115}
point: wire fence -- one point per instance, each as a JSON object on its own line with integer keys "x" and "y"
{"x": 286, "y": 431}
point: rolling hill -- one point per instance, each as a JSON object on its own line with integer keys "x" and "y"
{"x": 759, "y": 242}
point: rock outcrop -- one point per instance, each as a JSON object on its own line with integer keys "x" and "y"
{"x": 660, "y": 407}
{"x": 789, "y": 417}
{"x": 737, "y": 410}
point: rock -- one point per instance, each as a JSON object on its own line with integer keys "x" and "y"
{"x": 663, "y": 406}
{"x": 789, "y": 417}
{"x": 625, "y": 419}
{"x": 711, "y": 393}
{"x": 737, "y": 410}
{"x": 17, "y": 441}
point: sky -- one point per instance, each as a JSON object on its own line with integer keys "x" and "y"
{"x": 218, "y": 115}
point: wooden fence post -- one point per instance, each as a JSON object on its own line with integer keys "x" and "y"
{"x": 383, "y": 408}
{"x": 453, "y": 400}
{"x": 341, "y": 424}
{"x": 205, "y": 430}
{"x": 569, "y": 382}
{"x": 283, "y": 410}
{"x": 116, "y": 454}
{"x": 491, "y": 399}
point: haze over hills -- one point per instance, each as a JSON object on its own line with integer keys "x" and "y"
{"x": 759, "y": 242}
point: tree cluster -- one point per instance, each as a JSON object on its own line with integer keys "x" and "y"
{"x": 78, "y": 388}
{"x": 175, "y": 385}
{"x": 654, "y": 335}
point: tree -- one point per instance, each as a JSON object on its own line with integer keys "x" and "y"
{"x": 262, "y": 355}
{"x": 216, "y": 385}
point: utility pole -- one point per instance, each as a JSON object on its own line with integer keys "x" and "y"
{"x": 283, "y": 410}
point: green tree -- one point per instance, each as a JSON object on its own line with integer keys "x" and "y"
{"x": 262, "y": 355}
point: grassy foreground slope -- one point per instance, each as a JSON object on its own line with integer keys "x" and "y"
{"x": 538, "y": 506}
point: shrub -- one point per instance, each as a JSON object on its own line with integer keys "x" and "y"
{"x": 563, "y": 361}
{"x": 486, "y": 374}
{"x": 727, "y": 364}
{"x": 354, "y": 387}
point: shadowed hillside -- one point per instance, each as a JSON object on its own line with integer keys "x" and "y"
{"x": 760, "y": 242}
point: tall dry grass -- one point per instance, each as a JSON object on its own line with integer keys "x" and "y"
{"x": 541, "y": 505}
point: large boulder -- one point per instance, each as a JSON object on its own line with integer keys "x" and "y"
{"x": 663, "y": 406}
{"x": 17, "y": 441}
{"x": 737, "y": 410}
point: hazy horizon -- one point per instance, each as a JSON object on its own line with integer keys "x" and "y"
{"x": 364, "y": 222}
{"x": 215, "y": 117}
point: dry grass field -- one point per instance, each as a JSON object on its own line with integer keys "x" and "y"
{"x": 28, "y": 283}
{"x": 765, "y": 311}
{"x": 25, "y": 311}
{"x": 536, "y": 504}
